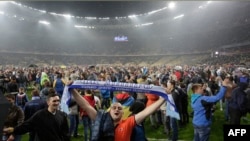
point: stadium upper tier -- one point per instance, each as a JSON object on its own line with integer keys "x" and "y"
{"x": 200, "y": 29}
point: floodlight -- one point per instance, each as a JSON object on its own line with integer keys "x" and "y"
{"x": 44, "y": 22}
{"x": 66, "y": 15}
{"x": 132, "y": 16}
{"x": 171, "y": 5}
{"x": 180, "y": 16}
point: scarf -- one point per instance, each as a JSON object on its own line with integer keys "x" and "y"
{"x": 114, "y": 86}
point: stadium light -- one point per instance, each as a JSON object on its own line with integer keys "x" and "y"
{"x": 1, "y": 12}
{"x": 171, "y": 5}
{"x": 67, "y": 15}
{"x": 178, "y": 17}
{"x": 43, "y": 11}
{"x": 209, "y": 2}
{"x": 44, "y": 22}
{"x": 80, "y": 26}
{"x": 132, "y": 16}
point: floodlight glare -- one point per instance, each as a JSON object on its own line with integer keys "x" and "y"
{"x": 178, "y": 17}
{"x": 132, "y": 16}
{"x": 80, "y": 26}
{"x": 66, "y": 15}
{"x": 1, "y": 12}
{"x": 171, "y": 5}
{"x": 43, "y": 11}
{"x": 44, "y": 22}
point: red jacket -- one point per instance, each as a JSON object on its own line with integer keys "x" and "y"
{"x": 91, "y": 101}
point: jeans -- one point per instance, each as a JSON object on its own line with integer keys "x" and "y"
{"x": 153, "y": 119}
{"x": 87, "y": 126}
{"x": 226, "y": 110}
{"x": 18, "y": 137}
{"x": 201, "y": 133}
{"x": 73, "y": 124}
{"x": 105, "y": 102}
{"x": 174, "y": 127}
{"x": 165, "y": 121}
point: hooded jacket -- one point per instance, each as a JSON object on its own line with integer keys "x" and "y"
{"x": 239, "y": 98}
{"x": 199, "y": 118}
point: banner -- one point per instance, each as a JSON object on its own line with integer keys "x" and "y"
{"x": 116, "y": 86}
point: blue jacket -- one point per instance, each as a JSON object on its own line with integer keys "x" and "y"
{"x": 105, "y": 93}
{"x": 33, "y": 106}
{"x": 199, "y": 118}
{"x": 102, "y": 127}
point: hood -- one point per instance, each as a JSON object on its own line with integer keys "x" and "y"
{"x": 44, "y": 74}
{"x": 194, "y": 97}
{"x": 243, "y": 85}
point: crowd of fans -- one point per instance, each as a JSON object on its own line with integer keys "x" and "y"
{"x": 181, "y": 80}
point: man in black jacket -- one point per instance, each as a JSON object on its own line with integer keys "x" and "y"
{"x": 49, "y": 124}
{"x": 32, "y": 107}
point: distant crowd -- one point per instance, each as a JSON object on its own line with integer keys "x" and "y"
{"x": 205, "y": 85}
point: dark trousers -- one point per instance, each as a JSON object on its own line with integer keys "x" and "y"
{"x": 32, "y": 136}
{"x": 105, "y": 102}
{"x": 234, "y": 115}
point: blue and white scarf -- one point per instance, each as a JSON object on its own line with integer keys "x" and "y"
{"x": 116, "y": 86}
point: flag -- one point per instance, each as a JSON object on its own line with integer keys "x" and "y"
{"x": 66, "y": 97}
{"x": 170, "y": 109}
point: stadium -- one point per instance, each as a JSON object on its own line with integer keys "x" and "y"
{"x": 188, "y": 33}
{"x": 124, "y": 70}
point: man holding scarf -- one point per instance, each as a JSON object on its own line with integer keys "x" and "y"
{"x": 109, "y": 126}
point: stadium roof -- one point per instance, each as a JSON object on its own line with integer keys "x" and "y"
{"x": 96, "y": 8}
{"x": 105, "y": 8}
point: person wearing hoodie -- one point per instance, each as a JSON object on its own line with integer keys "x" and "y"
{"x": 237, "y": 105}
{"x": 44, "y": 77}
{"x": 201, "y": 106}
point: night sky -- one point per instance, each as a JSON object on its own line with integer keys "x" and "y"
{"x": 98, "y": 8}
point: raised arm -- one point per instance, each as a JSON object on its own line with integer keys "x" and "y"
{"x": 92, "y": 113}
{"x": 149, "y": 110}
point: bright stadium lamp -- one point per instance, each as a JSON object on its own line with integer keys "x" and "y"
{"x": 44, "y": 22}
{"x": 171, "y": 5}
